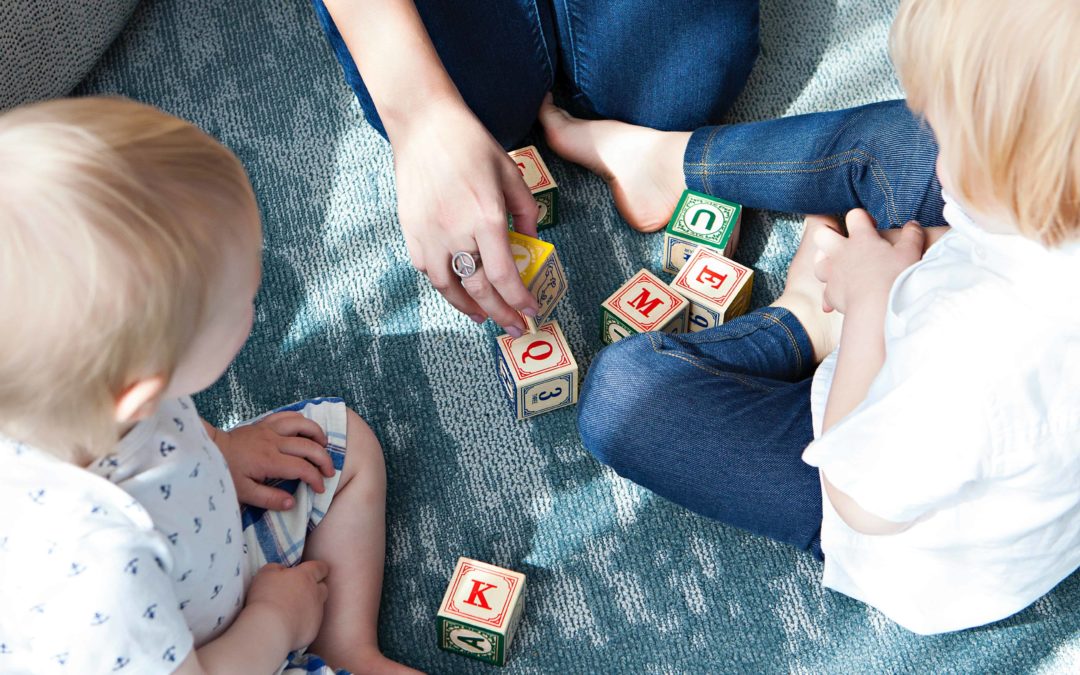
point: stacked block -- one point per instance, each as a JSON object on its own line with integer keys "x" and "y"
{"x": 642, "y": 304}
{"x": 541, "y": 184}
{"x": 480, "y": 611}
{"x": 718, "y": 289}
{"x": 537, "y": 370}
{"x": 540, "y": 271}
{"x": 699, "y": 220}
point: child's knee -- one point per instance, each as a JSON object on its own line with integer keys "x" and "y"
{"x": 363, "y": 452}
{"x": 622, "y": 391}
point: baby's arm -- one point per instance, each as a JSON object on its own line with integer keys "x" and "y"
{"x": 283, "y": 612}
{"x": 859, "y": 272}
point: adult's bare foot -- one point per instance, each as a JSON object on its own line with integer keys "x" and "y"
{"x": 803, "y": 293}
{"x": 642, "y": 166}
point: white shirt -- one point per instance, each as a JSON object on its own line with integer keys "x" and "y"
{"x": 123, "y": 567}
{"x": 971, "y": 430}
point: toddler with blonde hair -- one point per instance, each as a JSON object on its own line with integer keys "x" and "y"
{"x": 130, "y": 255}
{"x": 932, "y": 459}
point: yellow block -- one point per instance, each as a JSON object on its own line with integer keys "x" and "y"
{"x": 530, "y": 256}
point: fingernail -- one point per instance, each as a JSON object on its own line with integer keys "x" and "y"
{"x": 288, "y": 504}
{"x": 514, "y": 331}
{"x": 477, "y": 318}
{"x": 529, "y": 311}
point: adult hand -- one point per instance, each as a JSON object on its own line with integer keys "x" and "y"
{"x": 296, "y": 595}
{"x": 283, "y": 445}
{"x": 863, "y": 265}
{"x": 455, "y": 187}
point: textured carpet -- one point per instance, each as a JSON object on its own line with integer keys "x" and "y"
{"x": 619, "y": 580}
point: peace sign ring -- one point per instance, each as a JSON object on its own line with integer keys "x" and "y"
{"x": 465, "y": 263}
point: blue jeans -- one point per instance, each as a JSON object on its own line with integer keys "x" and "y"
{"x": 715, "y": 421}
{"x": 634, "y": 60}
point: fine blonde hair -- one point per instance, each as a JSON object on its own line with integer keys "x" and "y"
{"x": 114, "y": 218}
{"x": 999, "y": 80}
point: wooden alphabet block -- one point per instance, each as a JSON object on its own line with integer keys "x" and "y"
{"x": 699, "y": 220}
{"x": 541, "y": 183}
{"x": 540, "y": 270}
{"x": 480, "y": 611}
{"x": 538, "y": 371}
{"x": 718, "y": 289}
{"x": 642, "y": 304}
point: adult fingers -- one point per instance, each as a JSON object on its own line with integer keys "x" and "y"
{"x": 265, "y": 497}
{"x": 309, "y": 450}
{"x": 292, "y": 423}
{"x": 501, "y": 269}
{"x": 449, "y": 285}
{"x": 519, "y": 200}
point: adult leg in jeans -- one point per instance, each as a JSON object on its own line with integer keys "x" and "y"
{"x": 730, "y": 448}
{"x": 500, "y": 55}
{"x": 669, "y": 66}
{"x": 878, "y": 157}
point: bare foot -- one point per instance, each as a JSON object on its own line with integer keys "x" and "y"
{"x": 803, "y": 293}
{"x": 642, "y": 166}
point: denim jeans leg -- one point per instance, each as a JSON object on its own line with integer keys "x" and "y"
{"x": 879, "y": 157}
{"x": 671, "y": 66}
{"x": 501, "y": 55}
{"x": 715, "y": 421}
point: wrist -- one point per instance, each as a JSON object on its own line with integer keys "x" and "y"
{"x": 437, "y": 109}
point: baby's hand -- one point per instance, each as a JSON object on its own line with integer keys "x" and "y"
{"x": 296, "y": 595}
{"x": 863, "y": 266}
{"x": 283, "y": 445}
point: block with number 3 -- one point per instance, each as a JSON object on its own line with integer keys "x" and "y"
{"x": 537, "y": 371}
{"x": 718, "y": 289}
{"x": 541, "y": 184}
{"x": 699, "y": 220}
{"x": 642, "y": 304}
{"x": 480, "y": 611}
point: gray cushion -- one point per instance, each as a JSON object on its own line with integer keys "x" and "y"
{"x": 48, "y": 46}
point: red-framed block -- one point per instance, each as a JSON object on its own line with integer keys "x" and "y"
{"x": 642, "y": 304}
{"x": 541, "y": 183}
{"x": 717, "y": 288}
{"x": 480, "y": 611}
{"x": 537, "y": 370}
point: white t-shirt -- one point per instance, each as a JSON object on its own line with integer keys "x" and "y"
{"x": 971, "y": 430}
{"x": 123, "y": 567}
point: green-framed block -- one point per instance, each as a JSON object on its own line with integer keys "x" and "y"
{"x": 612, "y": 328}
{"x": 699, "y": 220}
{"x": 548, "y": 201}
{"x": 472, "y": 641}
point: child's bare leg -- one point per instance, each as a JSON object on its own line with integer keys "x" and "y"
{"x": 643, "y": 166}
{"x": 803, "y": 293}
{"x": 352, "y": 539}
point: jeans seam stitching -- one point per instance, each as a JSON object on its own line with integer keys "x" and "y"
{"x": 791, "y": 338}
{"x": 539, "y": 30}
{"x": 700, "y": 366}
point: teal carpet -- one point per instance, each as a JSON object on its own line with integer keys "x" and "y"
{"x": 619, "y": 580}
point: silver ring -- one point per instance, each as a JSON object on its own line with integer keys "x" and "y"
{"x": 465, "y": 263}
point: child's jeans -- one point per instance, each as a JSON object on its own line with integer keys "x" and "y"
{"x": 715, "y": 421}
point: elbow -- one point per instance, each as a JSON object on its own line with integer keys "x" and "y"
{"x": 858, "y": 518}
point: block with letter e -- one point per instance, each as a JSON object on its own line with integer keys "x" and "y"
{"x": 718, "y": 289}
{"x": 642, "y": 304}
{"x": 480, "y": 611}
{"x": 537, "y": 371}
{"x": 540, "y": 271}
{"x": 699, "y": 220}
{"x": 541, "y": 183}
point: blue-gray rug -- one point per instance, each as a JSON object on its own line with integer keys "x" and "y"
{"x": 619, "y": 580}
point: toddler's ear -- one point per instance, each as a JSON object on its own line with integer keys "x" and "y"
{"x": 139, "y": 400}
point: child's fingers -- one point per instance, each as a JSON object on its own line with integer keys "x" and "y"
{"x": 822, "y": 267}
{"x": 305, "y": 448}
{"x": 265, "y": 497}
{"x": 317, "y": 569}
{"x": 911, "y": 239}
{"x": 291, "y": 423}
{"x": 293, "y": 468}
{"x": 860, "y": 223}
